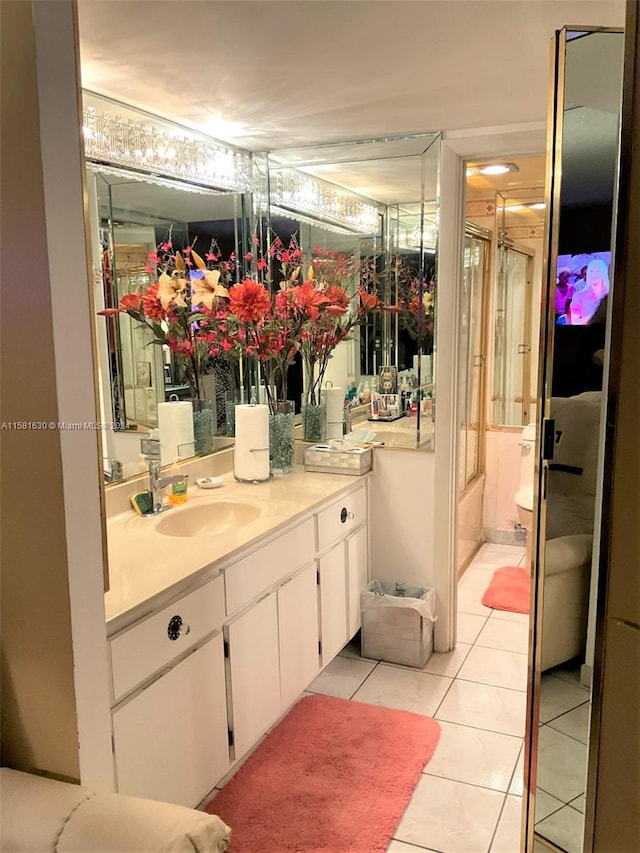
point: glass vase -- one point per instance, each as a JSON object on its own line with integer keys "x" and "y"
{"x": 314, "y": 419}
{"x": 281, "y": 440}
{"x": 231, "y": 400}
{"x": 203, "y": 426}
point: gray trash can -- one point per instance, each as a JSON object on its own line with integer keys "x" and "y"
{"x": 397, "y": 622}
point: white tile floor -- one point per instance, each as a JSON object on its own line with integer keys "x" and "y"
{"x": 562, "y": 757}
{"x": 469, "y": 797}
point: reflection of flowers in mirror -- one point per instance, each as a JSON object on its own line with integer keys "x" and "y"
{"x": 194, "y": 310}
{"x": 179, "y": 308}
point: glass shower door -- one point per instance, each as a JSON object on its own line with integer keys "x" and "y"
{"x": 472, "y": 358}
{"x": 512, "y": 354}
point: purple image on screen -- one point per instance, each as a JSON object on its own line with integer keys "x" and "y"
{"x": 582, "y": 282}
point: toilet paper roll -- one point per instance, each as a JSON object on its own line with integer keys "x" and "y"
{"x": 334, "y": 399}
{"x": 251, "y": 451}
{"x": 175, "y": 422}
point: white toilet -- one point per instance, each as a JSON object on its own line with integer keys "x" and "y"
{"x": 524, "y": 496}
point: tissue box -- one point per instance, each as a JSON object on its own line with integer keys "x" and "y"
{"x": 332, "y": 460}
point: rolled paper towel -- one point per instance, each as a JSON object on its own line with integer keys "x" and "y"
{"x": 251, "y": 451}
{"x": 334, "y": 399}
{"x": 425, "y": 368}
{"x": 334, "y": 430}
{"x": 175, "y": 422}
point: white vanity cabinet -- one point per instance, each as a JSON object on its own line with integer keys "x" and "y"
{"x": 272, "y": 656}
{"x": 198, "y": 682}
{"x": 298, "y": 634}
{"x": 171, "y": 740}
{"x": 357, "y": 575}
{"x": 342, "y": 569}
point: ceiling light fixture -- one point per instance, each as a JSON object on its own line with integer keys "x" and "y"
{"x": 497, "y": 168}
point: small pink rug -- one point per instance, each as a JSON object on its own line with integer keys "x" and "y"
{"x": 334, "y": 776}
{"x": 509, "y": 590}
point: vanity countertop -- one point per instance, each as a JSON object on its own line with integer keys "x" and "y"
{"x": 145, "y": 564}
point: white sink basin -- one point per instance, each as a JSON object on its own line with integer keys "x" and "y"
{"x": 208, "y": 519}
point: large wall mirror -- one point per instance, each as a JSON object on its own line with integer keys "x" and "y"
{"x": 145, "y": 205}
{"x": 359, "y": 221}
{"x": 374, "y": 205}
{"x": 579, "y": 282}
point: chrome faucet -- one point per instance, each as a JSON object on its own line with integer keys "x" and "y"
{"x": 158, "y": 483}
{"x": 151, "y": 449}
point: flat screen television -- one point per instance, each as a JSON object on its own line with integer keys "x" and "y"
{"x": 582, "y": 282}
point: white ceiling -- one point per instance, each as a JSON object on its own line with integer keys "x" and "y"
{"x": 270, "y": 74}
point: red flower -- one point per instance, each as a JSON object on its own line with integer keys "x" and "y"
{"x": 109, "y": 312}
{"x": 310, "y": 300}
{"x": 249, "y": 301}
{"x": 337, "y": 296}
{"x": 131, "y": 301}
{"x": 181, "y": 347}
{"x": 335, "y": 310}
{"x": 393, "y": 309}
{"x": 369, "y": 300}
{"x": 151, "y": 305}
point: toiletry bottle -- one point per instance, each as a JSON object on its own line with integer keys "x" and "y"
{"x": 178, "y": 492}
{"x": 366, "y": 394}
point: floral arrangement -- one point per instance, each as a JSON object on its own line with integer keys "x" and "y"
{"x": 194, "y": 309}
{"x": 180, "y": 308}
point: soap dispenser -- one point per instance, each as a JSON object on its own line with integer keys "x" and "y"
{"x": 178, "y": 492}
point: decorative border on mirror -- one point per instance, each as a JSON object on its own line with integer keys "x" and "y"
{"x": 124, "y": 136}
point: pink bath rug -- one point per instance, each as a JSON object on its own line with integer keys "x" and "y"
{"x": 334, "y": 776}
{"x": 509, "y": 589}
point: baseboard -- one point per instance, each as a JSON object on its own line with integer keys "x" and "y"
{"x": 505, "y": 537}
{"x": 586, "y": 675}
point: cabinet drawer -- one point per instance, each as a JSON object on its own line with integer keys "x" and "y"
{"x": 344, "y": 515}
{"x": 250, "y": 576}
{"x": 147, "y": 647}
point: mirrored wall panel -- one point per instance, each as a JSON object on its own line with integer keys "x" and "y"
{"x": 367, "y": 212}
{"x": 173, "y": 221}
{"x": 580, "y": 284}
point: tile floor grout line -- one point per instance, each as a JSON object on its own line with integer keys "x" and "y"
{"x": 446, "y": 693}
{"x": 513, "y": 772}
{"x": 365, "y": 679}
{"x": 560, "y": 732}
{"x": 495, "y": 828}
{"x": 486, "y": 684}
{"x": 425, "y": 772}
{"x": 417, "y": 846}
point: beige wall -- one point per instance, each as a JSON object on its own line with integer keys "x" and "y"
{"x": 615, "y": 760}
{"x": 39, "y": 729}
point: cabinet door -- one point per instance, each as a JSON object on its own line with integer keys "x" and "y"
{"x": 171, "y": 740}
{"x": 298, "y": 634}
{"x": 255, "y": 672}
{"x": 357, "y": 573}
{"x": 333, "y": 601}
